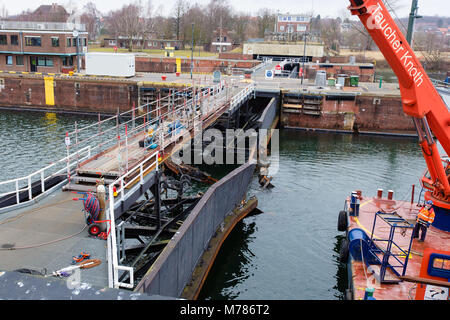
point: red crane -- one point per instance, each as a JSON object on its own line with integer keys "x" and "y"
{"x": 420, "y": 100}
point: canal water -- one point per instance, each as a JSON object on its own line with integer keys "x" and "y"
{"x": 290, "y": 251}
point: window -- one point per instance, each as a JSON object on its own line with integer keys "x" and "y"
{"x": 9, "y": 60}
{"x": 19, "y": 60}
{"x": 281, "y": 28}
{"x": 85, "y": 42}
{"x": 69, "y": 42}
{"x": 301, "y": 28}
{"x": 14, "y": 40}
{"x": 68, "y": 61}
{"x": 45, "y": 62}
{"x": 55, "y": 42}
{"x": 3, "y": 40}
{"x": 33, "y": 41}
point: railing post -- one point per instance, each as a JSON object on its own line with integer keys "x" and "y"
{"x": 17, "y": 192}
{"x": 76, "y": 141}
{"x": 111, "y": 238}
{"x": 30, "y": 193}
{"x": 42, "y": 181}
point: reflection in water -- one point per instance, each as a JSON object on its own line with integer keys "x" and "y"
{"x": 31, "y": 140}
{"x": 341, "y": 270}
{"x": 226, "y": 273}
{"x": 293, "y": 250}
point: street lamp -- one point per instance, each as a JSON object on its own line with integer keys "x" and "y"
{"x": 192, "y": 51}
{"x": 76, "y": 34}
{"x": 304, "y": 56}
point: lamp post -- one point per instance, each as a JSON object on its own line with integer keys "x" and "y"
{"x": 304, "y": 56}
{"x": 76, "y": 34}
{"x": 192, "y": 51}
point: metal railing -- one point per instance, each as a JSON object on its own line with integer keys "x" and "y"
{"x": 37, "y": 26}
{"x": 136, "y": 174}
{"x": 60, "y": 167}
{"x": 202, "y": 104}
{"x": 242, "y": 96}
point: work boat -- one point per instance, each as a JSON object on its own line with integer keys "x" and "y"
{"x": 385, "y": 260}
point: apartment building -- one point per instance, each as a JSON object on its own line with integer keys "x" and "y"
{"x": 48, "y": 47}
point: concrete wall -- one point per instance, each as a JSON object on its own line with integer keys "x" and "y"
{"x": 173, "y": 269}
{"x": 279, "y": 49}
{"x": 269, "y": 114}
{"x": 168, "y": 65}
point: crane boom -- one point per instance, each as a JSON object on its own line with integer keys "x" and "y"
{"x": 420, "y": 98}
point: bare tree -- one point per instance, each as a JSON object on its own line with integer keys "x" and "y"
{"x": 179, "y": 11}
{"x": 91, "y": 18}
{"x": 266, "y": 19}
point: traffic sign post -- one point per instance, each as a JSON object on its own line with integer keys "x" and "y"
{"x": 269, "y": 74}
{"x": 277, "y": 69}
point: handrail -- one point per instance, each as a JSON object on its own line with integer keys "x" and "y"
{"x": 41, "y": 172}
{"x": 113, "y": 261}
{"x": 199, "y": 101}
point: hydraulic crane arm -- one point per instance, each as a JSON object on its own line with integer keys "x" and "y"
{"x": 420, "y": 98}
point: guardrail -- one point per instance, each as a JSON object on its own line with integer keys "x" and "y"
{"x": 202, "y": 104}
{"x": 60, "y": 167}
{"x": 136, "y": 174}
{"x": 440, "y": 83}
{"x": 242, "y": 96}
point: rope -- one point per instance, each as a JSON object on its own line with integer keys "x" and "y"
{"x": 12, "y": 219}
{"x": 45, "y": 243}
{"x": 362, "y": 259}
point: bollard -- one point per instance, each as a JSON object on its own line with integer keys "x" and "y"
{"x": 101, "y": 195}
{"x": 354, "y": 204}
{"x": 380, "y": 193}
{"x": 390, "y": 194}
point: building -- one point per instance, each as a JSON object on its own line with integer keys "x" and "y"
{"x": 48, "y": 47}
{"x": 222, "y": 41}
{"x": 294, "y": 50}
{"x": 292, "y": 23}
{"x": 138, "y": 43}
{"x": 44, "y": 13}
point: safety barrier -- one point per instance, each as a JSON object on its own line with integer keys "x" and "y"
{"x": 63, "y": 166}
{"x": 173, "y": 268}
{"x": 178, "y": 108}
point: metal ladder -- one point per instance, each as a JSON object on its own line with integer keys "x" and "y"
{"x": 394, "y": 221}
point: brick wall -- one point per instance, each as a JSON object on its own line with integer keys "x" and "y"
{"x": 168, "y": 65}
{"x": 70, "y": 94}
{"x": 371, "y": 113}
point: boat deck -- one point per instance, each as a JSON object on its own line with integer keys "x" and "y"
{"x": 47, "y": 235}
{"x": 362, "y": 277}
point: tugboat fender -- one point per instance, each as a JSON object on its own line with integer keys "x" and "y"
{"x": 342, "y": 221}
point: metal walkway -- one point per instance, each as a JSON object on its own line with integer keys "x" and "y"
{"x": 125, "y": 150}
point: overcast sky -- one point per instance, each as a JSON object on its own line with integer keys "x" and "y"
{"x": 322, "y": 7}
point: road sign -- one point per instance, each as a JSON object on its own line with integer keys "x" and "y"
{"x": 277, "y": 69}
{"x": 269, "y": 74}
{"x": 216, "y": 76}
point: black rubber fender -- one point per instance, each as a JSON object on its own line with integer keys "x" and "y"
{"x": 342, "y": 221}
{"x": 343, "y": 251}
